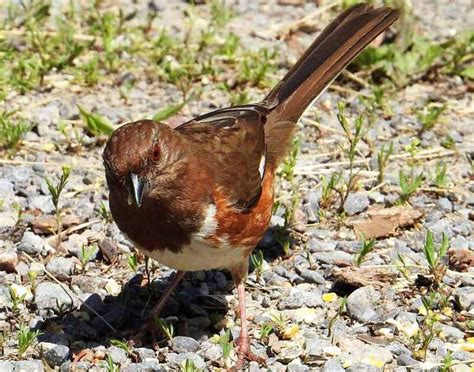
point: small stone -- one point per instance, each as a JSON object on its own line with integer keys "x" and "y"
{"x": 362, "y": 367}
{"x": 51, "y": 296}
{"x": 332, "y": 365}
{"x": 117, "y": 354}
{"x": 145, "y": 354}
{"x": 6, "y": 366}
{"x": 464, "y": 297}
{"x": 31, "y": 244}
{"x": 21, "y": 292}
{"x": 5, "y": 297}
{"x": 61, "y": 267}
{"x": 312, "y": 276}
{"x": 185, "y": 344}
{"x": 213, "y": 353}
{"x": 149, "y": 366}
{"x": 314, "y": 348}
{"x": 42, "y": 203}
{"x": 29, "y": 366}
{"x": 333, "y": 258}
{"x": 445, "y": 205}
{"x": 362, "y": 302}
{"x": 55, "y": 355}
{"x": 37, "y": 268}
{"x": 8, "y": 261}
{"x": 88, "y": 283}
{"x": 356, "y": 203}
{"x": 177, "y": 360}
{"x": 450, "y": 334}
{"x": 112, "y": 287}
{"x": 296, "y": 366}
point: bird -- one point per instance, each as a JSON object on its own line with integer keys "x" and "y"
{"x": 199, "y": 196}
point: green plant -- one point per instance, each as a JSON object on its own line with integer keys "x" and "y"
{"x": 408, "y": 185}
{"x": 256, "y": 66}
{"x": 166, "y": 328}
{"x": 11, "y": 132}
{"x": 26, "y": 338}
{"x": 189, "y": 366}
{"x": 55, "y": 191}
{"x": 328, "y": 186}
{"x": 122, "y": 345}
{"x": 266, "y": 329}
{"x": 434, "y": 255}
{"x": 85, "y": 255}
{"x": 109, "y": 364}
{"x": 440, "y": 178}
{"x": 353, "y": 138}
{"x": 382, "y": 159}
{"x": 105, "y": 213}
{"x": 97, "y": 124}
{"x": 32, "y": 276}
{"x": 226, "y": 344}
{"x": 367, "y": 247}
{"x": 429, "y": 115}
{"x": 429, "y": 329}
{"x": 448, "y": 362}
{"x": 340, "y": 310}
{"x": 132, "y": 261}
{"x": 17, "y": 300}
{"x": 257, "y": 260}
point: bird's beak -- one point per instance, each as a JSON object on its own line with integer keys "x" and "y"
{"x": 138, "y": 184}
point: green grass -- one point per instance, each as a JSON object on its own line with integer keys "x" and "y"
{"x": 11, "y": 131}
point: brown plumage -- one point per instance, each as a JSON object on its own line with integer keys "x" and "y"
{"x": 200, "y": 196}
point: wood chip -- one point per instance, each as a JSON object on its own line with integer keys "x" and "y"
{"x": 387, "y": 222}
{"x": 362, "y": 276}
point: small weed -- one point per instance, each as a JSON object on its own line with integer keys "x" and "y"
{"x": 132, "y": 261}
{"x": 434, "y": 256}
{"x": 55, "y": 191}
{"x": 11, "y": 133}
{"x": 448, "y": 143}
{"x": 122, "y": 345}
{"x": 408, "y": 185}
{"x": 86, "y": 254}
{"x": 448, "y": 362}
{"x": 412, "y": 148}
{"x": 26, "y": 338}
{"x": 440, "y": 178}
{"x": 96, "y": 123}
{"x": 105, "y": 213}
{"x": 226, "y": 344}
{"x": 340, "y": 310}
{"x": 256, "y": 66}
{"x": 353, "y": 138}
{"x": 266, "y": 329}
{"x": 17, "y": 300}
{"x": 429, "y": 116}
{"x": 189, "y": 366}
{"x": 32, "y": 276}
{"x": 329, "y": 185}
{"x": 166, "y": 328}
{"x": 109, "y": 364}
{"x": 382, "y": 159}
{"x": 367, "y": 247}
{"x": 257, "y": 262}
{"x": 278, "y": 322}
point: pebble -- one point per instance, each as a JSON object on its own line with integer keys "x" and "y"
{"x": 356, "y": 203}
{"x": 7, "y": 366}
{"x": 29, "y": 366}
{"x": 51, "y": 296}
{"x": 42, "y": 203}
{"x": 332, "y": 365}
{"x": 333, "y": 258}
{"x": 176, "y": 360}
{"x": 117, "y": 354}
{"x": 149, "y": 366}
{"x": 464, "y": 297}
{"x": 450, "y": 334}
{"x": 362, "y": 302}
{"x": 362, "y": 367}
{"x": 185, "y": 344}
{"x": 144, "y": 354}
{"x": 31, "y": 244}
{"x": 312, "y": 276}
{"x": 444, "y": 205}
{"x": 55, "y": 355}
{"x": 61, "y": 267}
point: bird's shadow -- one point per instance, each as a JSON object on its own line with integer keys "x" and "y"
{"x": 195, "y": 309}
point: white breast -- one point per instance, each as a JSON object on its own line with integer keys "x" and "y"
{"x": 199, "y": 254}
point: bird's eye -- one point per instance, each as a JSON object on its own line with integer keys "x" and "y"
{"x": 156, "y": 154}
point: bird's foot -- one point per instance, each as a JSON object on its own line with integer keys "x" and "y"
{"x": 149, "y": 328}
{"x": 244, "y": 353}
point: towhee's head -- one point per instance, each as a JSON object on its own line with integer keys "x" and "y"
{"x": 141, "y": 157}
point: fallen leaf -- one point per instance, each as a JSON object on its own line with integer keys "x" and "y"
{"x": 386, "y": 222}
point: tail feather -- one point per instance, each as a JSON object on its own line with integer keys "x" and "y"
{"x": 336, "y": 46}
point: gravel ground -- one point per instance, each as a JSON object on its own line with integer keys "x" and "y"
{"x": 322, "y": 310}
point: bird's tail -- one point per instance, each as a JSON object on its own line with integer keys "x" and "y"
{"x": 336, "y": 46}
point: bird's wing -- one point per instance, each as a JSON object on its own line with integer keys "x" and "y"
{"x": 232, "y": 142}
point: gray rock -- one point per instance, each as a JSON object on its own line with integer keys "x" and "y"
{"x": 298, "y": 298}
{"x": 444, "y": 205}
{"x": 117, "y": 354}
{"x": 332, "y": 365}
{"x": 61, "y": 267}
{"x": 185, "y": 344}
{"x": 31, "y": 244}
{"x": 5, "y": 297}
{"x": 464, "y": 297}
{"x": 312, "y": 276}
{"x": 51, "y": 296}
{"x": 150, "y": 366}
{"x": 81, "y": 366}
{"x": 289, "y": 354}
{"x": 177, "y": 359}
{"x": 6, "y": 366}
{"x": 45, "y": 118}
{"x": 6, "y": 189}
{"x": 314, "y": 348}
{"x": 356, "y": 203}
{"x": 405, "y": 359}
{"x": 450, "y": 334}
{"x": 362, "y": 367}
{"x": 29, "y": 366}
{"x": 41, "y": 202}
{"x": 145, "y": 354}
{"x": 55, "y": 355}
{"x": 333, "y": 258}
{"x": 296, "y": 366}
{"x": 18, "y": 175}
{"x": 213, "y": 353}
{"x": 361, "y": 304}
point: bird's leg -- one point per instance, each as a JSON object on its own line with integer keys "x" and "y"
{"x": 243, "y": 342}
{"x": 150, "y": 326}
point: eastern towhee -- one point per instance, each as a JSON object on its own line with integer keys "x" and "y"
{"x": 200, "y": 196}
